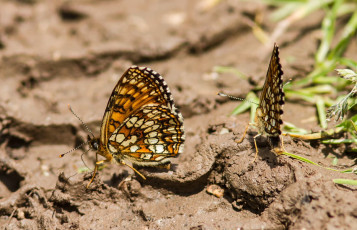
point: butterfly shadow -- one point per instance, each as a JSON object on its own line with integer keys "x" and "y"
{"x": 171, "y": 182}
{"x": 338, "y": 153}
{"x": 158, "y": 169}
{"x": 265, "y": 149}
{"x": 117, "y": 179}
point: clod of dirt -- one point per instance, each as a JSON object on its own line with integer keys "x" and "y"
{"x": 251, "y": 185}
{"x": 313, "y": 198}
{"x": 26, "y": 203}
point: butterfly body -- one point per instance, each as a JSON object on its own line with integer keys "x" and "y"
{"x": 141, "y": 123}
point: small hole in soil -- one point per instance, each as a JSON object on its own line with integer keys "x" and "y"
{"x": 29, "y": 83}
{"x": 16, "y": 143}
{"x": 2, "y": 46}
{"x": 11, "y": 179}
{"x": 179, "y": 88}
{"x": 67, "y": 13}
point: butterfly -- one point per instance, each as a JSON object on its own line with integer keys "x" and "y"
{"x": 140, "y": 124}
{"x": 268, "y": 116}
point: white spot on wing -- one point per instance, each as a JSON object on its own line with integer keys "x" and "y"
{"x": 146, "y": 110}
{"x": 119, "y": 137}
{"x": 181, "y": 148}
{"x": 174, "y": 137}
{"x": 172, "y": 122}
{"x": 152, "y": 134}
{"x": 139, "y": 123}
{"x": 159, "y": 158}
{"x": 134, "y": 148}
{"x": 141, "y": 84}
{"x": 145, "y": 156}
{"x": 152, "y": 148}
{"x": 152, "y": 141}
{"x": 112, "y": 149}
{"x": 151, "y": 128}
{"x": 159, "y": 148}
{"x": 132, "y": 140}
{"x": 131, "y": 122}
{"x": 147, "y": 124}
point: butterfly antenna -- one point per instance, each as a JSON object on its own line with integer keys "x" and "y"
{"x": 84, "y": 124}
{"x": 62, "y": 155}
{"x": 236, "y": 98}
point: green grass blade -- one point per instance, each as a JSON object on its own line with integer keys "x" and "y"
{"x": 348, "y": 62}
{"x": 351, "y": 26}
{"x": 291, "y": 128}
{"x": 347, "y": 124}
{"x": 285, "y": 10}
{"x": 347, "y": 35}
{"x": 319, "y": 89}
{"x": 254, "y": 107}
{"x": 335, "y": 161}
{"x": 303, "y": 159}
{"x": 83, "y": 170}
{"x": 320, "y": 106}
{"x": 228, "y": 69}
{"x": 289, "y": 94}
{"x": 246, "y": 104}
{"x": 338, "y": 142}
{"x": 328, "y": 30}
{"x": 242, "y": 107}
{"x": 345, "y": 181}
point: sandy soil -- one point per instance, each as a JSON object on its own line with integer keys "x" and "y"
{"x": 55, "y": 53}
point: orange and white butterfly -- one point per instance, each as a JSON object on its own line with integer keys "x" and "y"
{"x": 141, "y": 123}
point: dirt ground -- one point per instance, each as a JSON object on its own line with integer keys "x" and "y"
{"x": 55, "y": 53}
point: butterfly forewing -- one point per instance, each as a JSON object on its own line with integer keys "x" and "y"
{"x": 138, "y": 86}
{"x": 270, "y": 108}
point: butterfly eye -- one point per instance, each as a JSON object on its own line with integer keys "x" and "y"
{"x": 95, "y": 145}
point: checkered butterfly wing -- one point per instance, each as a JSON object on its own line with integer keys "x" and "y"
{"x": 271, "y": 103}
{"x": 141, "y": 122}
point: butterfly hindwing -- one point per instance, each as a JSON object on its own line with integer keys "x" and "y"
{"x": 149, "y": 136}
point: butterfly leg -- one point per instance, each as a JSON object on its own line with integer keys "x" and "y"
{"x": 123, "y": 163}
{"x": 280, "y": 150}
{"x": 256, "y": 146}
{"x": 97, "y": 163}
{"x": 245, "y": 132}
